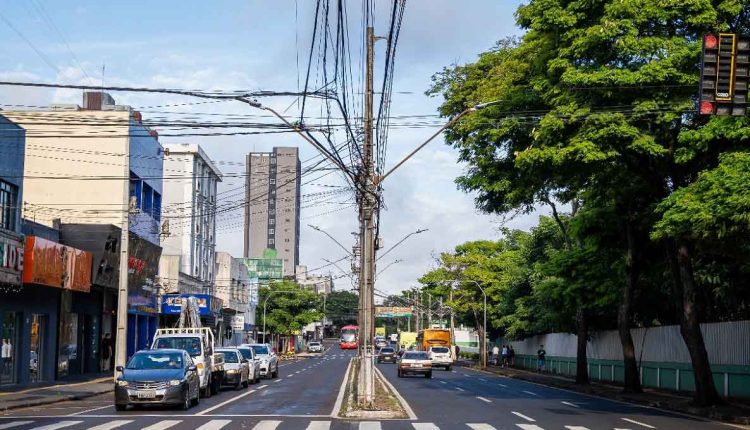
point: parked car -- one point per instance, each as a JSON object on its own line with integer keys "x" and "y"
{"x": 252, "y": 362}
{"x": 441, "y": 357}
{"x": 315, "y": 346}
{"x": 415, "y": 363}
{"x": 158, "y": 377}
{"x": 267, "y": 358}
{"x": 387, "y": 354}
{"x": 380, "y": 342}
{"x": 199, "y": 343}
{"x": 236, "y": 369}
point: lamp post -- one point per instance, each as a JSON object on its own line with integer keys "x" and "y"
{"x": 483, "y": 341}
{"x": 265, "y": 302}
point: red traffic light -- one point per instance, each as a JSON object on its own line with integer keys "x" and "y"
{"x": 706, "y": 108}
{"x": 709, "y": 41}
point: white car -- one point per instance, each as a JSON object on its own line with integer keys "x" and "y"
{"x": 441, "y": 357}
{"x": 237, "y": 371}
{"x": 267, "y": 358}
{"x": 315, "y": 346}
{"x": 253, "y": 363}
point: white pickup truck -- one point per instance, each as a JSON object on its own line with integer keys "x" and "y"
{"x": 199, "y": 343}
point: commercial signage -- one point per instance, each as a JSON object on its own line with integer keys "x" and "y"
{"x": 143, "y": 264}
{"x": 11, "y": 260}
{"x": 392, "y": 311}
{"x": 55, "y": 265}
{"x": 171, "y": 304}
{"x": 238, "y": 322}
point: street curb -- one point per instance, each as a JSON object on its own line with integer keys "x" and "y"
{"x": 686, "y": 411}
{"x": 56, "y": 399}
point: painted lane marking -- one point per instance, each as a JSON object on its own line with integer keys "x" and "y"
{"x": 518, "y": 414}
{"x": 529, "y": 427}
{"x": 299, "y": 371}
{"x": 443, "y": 382}
{"x": 482, "y": 379}
{"x": 467, "y": 375}
{"x": 530, "y": 393}
{"x": 226, "y": 402}
{"x": 262, "y": 387}
{"x": 277, "y": 381}
{"x": 89, "y": 410}
{"x": 459, "y": 388}
{"x": 111, "y": 425}
{"x": 59, "y": 425}
{"x": 480, "y": 426}
{"x": 484, "y": 400}
{"x": 161, "y": 425}
{"x": 319, "y": 425}
{"x": 425, "y": 426}
{"x": 576, "y": 428}
{"x": 290, "y": 375}
{"x": 267, "y": 425}
{"x": 503, "y": 385}
{"x": 14, "y": 424}
{"x": 570, "y": 404}
{"x": 638, "y": 423}
{"x": 369, "y": 425}
{"x": 214, "y": 425}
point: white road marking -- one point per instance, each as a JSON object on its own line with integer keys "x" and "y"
{"x": 482, "y": 379}
{"x": 214, "y": 425}
{"x": 443, "y": 382}
{"x": 262, "y": 387}
{"x": 529, "y": 427}
{"x": 518, "y": 414}
{"x": 319, "y": 425}
{"x": 484, "y": 400}
{"x": 342, "y": 389}
{"x": 570, "y": 404}
{"x": 111, "y": 425}
{"x": 226, "y": 402}
{"x": 638, "y": 423}
{"x": 58, "y": 425}
{"x": 466, "y": 374}
{"x": 576, "y": 428}
{"x": 290, "y": 375}
{"x": 89, "y": 410}
{"x": 480, "y": 426}
{"x": 503, "y": 385}
{"x": 161, "y": 425}
{"x": 14, "y": 424}
{"x": 459, "y": 388}
{"x": 453, "y": 371}
{"x": 299, "y": 371}
{"x": 277, "y": 381}
{"x": 369, "y": 425}
{"x": 267, "y": 425}
{"x": 425, "y": 426}
{"x": 529, "y": 392}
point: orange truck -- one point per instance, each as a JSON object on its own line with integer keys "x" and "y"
{"x": 433, "y": 337}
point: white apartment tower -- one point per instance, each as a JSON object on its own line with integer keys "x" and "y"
{"x": 189, "y": 205}
{"x": 272, "y": 211}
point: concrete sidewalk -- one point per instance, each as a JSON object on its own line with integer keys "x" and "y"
{"x": 25, "y": 397}
{"x": 737, "y": 412}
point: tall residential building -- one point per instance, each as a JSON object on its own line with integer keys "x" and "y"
{"x": 189, "y": 205}
{"x": 272, "y": 211}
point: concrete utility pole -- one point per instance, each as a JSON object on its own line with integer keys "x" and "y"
{"x": 429, "y": 310}
{"x": 367, "y": 203}
{"x": 121, "y": 337}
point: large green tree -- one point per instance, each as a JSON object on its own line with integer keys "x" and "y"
{"x": 288, "y": 307}
{"x": 598, "y": 106}
{"x": 341, "y": 308}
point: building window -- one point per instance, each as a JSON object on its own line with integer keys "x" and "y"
{"x": 272, "y": 181}
{"x": 271, "y": 221}
{"x": 271, "y": 231}
{"x": 157, "y": 206}
{"x": 8, "y": 195}
{"x": 272, "y": 212}
{"x": 271, "y": 241}
{"x": 286, "y": 240}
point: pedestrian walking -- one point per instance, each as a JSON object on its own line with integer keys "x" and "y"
{"x": 541, "y": 356}
{"x": 505, "y": 355}
{"x": 511, "y": 355}
{"x": 495, "y": 354}
{"x": 106, "y": 352}
{"x": 6, "y": 355}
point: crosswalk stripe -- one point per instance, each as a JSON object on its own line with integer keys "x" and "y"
{"x": 370, "y": 425}
{"x": 529, "y": 427}
{"x": 425, "y": 426}
{"x": 111, "y": 425}
{"x": 480, "y": 426}
{"x": 214, "y": 425}
{"x": 484, "y": 400}
{"x": 57, "y": 425}
{"x": 14, "y": 424}
{"x": 161, "y": 425}
{"x": 638, "y": 423}
{"x": 576, "y": 428}
{"x": 267, "y": 425}
{"x": 518, "y": 414}
{"x": 319, "y": 425}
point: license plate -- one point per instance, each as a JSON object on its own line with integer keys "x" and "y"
{"x": 416, "y": 365}
{"x": 151, "y": 394}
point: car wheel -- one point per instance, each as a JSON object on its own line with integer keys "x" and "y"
{"x": 206, "y": 391}
{"x": 447, "y": 368}
{"x": 247, "y": 382}
{"x": 275, "y": 372}
{"x": 428, "y": 375}
{"x": 197, "y": 399}
{"x": 215, "y": 385}
{"x": 185, "y": 401}
{"x": 121, "y": 407}
{"x": 400, "y": 375}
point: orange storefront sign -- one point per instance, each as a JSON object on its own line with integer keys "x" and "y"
{"x": 55, "y": 265}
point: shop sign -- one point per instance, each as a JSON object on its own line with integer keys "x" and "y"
{"x": 55, "y": 265}
{"x": 238, "y": 322}
{"x": 392, "y": 311}
{"x": 171, "y": 304}
{"x": 143, "y": 264}
{"x": 11, "y": 260}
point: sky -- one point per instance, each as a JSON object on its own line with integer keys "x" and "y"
{"x": 264, "y": 45}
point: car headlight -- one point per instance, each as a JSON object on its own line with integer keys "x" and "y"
{"x": 231, "y": 371}
{"x": 121, "y": 383}
{"x": 175, "y": 382}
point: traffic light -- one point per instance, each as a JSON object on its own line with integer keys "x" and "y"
{"x": 725, "y": 73}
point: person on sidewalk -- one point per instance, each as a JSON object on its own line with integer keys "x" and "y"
{"x": 6, "y": 352}
{"x": 511, "y": 356}
{"x": 495, "y": 354}
{"x": 541, "y": 356}
{"x": 505, "y": 355}
{"x": 106, "y": 352}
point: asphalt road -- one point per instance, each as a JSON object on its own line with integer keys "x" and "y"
{"x": 304, "y": 397}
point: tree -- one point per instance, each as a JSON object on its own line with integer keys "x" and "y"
{"x": 289, "y": 307}
{"x": 341, "y": 308}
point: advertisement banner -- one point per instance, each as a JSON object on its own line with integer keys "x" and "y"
{"x": 171, "y": 304}
{"x": 11, "y": 258}
{"x": 392, "y": 311}
{"x": 55, "y": 265}
{"x": 143, "y": 264}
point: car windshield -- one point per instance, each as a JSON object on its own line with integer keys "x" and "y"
{"x": 246, "y": 352}
{"x": 260, "y": 349}
{"x": 440, "y": 350}
{"x": 416, "y": 356}
{"x": 388, "y": 350}
{"x": 314, "y": 343}
{"x": 155, "y": 361}
{"x": 230, "y": 357}
{"x": 190, "y": 344}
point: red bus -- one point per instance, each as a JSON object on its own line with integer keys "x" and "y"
{"x": 349, "y": 337}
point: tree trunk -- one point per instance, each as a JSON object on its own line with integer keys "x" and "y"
{"x": 632, "y": 379}
{"x": 686, "y": 292}
{"x": 582, "y": 331}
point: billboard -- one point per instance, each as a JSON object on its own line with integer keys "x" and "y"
{"x": 55, "y": 265}
{"x": 392, "y": 311}
{"x": 171, "y": 304}
{"x": 143, "y": 264}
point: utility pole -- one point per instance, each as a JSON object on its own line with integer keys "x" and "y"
{"x": 453, "y": 323}
{"x": 429, "y": 310}
{"x": 367, "y": 203}
{"x": 121, "y": 337}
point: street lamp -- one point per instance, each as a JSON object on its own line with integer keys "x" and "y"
{"x": 331, "y": 237}
{"x": 270, "y": 292}
{"x": 401, "y": 241}
{"x": 483, "y": 344}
